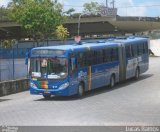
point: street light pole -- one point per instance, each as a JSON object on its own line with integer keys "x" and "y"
{"x": 13, "y": 76}
{"x": 13, "y": 57}
{"x": 0, "y": 58}
{"x": 79, "y": 23}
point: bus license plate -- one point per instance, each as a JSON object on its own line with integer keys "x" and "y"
{"x": 47, "y": 91}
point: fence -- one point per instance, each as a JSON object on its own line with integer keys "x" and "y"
{"x": 12, "y": 64}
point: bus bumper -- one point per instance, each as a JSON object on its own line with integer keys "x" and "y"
{"x": 56, "y": 92}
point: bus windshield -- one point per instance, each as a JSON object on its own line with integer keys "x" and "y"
{"x": 49, "y": 68}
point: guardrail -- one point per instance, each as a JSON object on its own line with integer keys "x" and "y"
{"x": 13, "y": 86}
{"x": 13, "y": 53}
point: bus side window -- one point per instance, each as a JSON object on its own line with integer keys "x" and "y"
{"x": 85, "y": 58}
{"x": 81, "y": 59}
{"x": 128, "y": 51}
{"x": 114, "y": 53}
{"x": 94, "y": 57}
{"x": 140, "y": 49}
{"x": 145, "y": 46}
{"x": 99, "y": 57}
{"x": 73, "y": 63}
{"x": 104, "y": 56}
{"x": 108, "y": 55}
{"x": 134, "y": 50}
{"x": 89, "y": 58}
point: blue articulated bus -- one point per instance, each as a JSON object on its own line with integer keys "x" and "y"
{"x": 73, "y": 69}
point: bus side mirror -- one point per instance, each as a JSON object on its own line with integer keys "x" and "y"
{"x": 26, "y": 61}
{"x": 26, "y": 58}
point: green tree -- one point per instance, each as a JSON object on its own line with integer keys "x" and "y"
{"x": 92, "y": 8}
{"x": 3, "y": 13}
{"x": 7, "y": 43}
{"x": 38, "y": 17}
{"x": 70, "y": 11}
{"x": 61, "y": 32}
{"x": 76, "y": 15}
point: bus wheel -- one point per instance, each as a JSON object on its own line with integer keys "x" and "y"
{"x": 80, "y": 90}
{"x": 112, "y": 81}
{"x": 137, "y": 74}
{"x": 47, "y": 96}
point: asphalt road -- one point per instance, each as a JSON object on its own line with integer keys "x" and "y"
{"x": 129, "y": 103}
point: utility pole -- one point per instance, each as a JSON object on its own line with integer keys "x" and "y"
{"x": 106, "y": 3}
{"x": 113, "y": 2}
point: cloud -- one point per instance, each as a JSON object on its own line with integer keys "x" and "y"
{"x": 132, "y": 11}
{"x": 4, "y": 2}
{"x": 78, "y": 5}
{"x": 138, "y": 8}
{"x": 124, "y": 6}
{"x": 127, "y": 8}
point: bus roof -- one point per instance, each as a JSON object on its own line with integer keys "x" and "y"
{"x": 129, "y": 39}
{"x": 97, "y": 44}
{"x": 80, "y": 46}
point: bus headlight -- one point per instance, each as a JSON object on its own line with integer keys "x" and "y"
{"x": 65, "y": 85}
{"x": 32, "y": 85}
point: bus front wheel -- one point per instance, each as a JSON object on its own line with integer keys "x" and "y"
{"x": 112, "y": 81}
{"x": 80, "y": 90}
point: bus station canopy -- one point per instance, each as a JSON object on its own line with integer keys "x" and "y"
{"x": 91, "y": 26}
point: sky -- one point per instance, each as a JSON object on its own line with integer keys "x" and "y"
{"x": 150, "y": 8}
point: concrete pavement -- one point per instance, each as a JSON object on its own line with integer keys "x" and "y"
{"x": 129, "y": 103}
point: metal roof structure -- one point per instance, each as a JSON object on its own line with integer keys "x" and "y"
{"x": 108, "y": 25}
{"x": 9, "y": 29}
{"x": 91, "y": 25}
